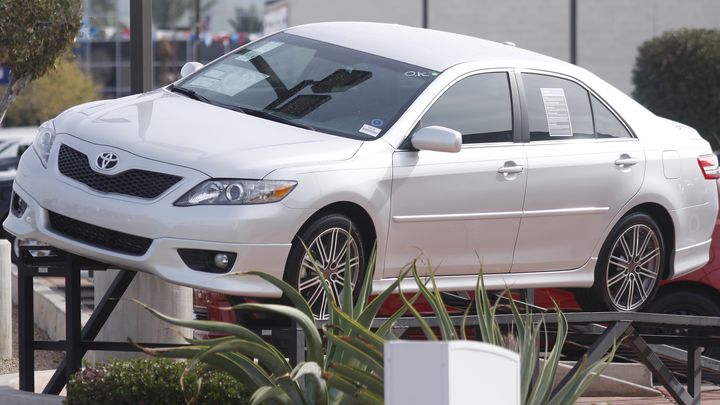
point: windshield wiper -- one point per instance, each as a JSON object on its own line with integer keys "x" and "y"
{"x": 267, "y": 115}
{"x": 190, "y": 93}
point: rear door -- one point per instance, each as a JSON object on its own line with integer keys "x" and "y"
{"x": 583, "y": 167}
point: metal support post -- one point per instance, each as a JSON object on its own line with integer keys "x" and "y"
{"x": 92, "y": 328}
{"x": 73, "y": 349}
{"x": 25, "y": 330}
{"x": 602, "y": 345}
{"x": 694, "y": 372}
{"x": 141, "y": 61}
{"x": 659, "y": 369}
{"x": 296, "y": 343}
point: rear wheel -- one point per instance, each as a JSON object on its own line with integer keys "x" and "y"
{"x": 629, "y": 268}
{"x": 331, "y": 241}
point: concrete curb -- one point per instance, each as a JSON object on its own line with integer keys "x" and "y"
{"x": 9, "y": 394}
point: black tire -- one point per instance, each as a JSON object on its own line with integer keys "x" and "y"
{"x": 683, "y": 302}
{"x": 299, "y": 271}
{"x": 633, "y": 269}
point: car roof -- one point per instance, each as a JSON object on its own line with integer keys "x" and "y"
{"x": 430, "y": 49}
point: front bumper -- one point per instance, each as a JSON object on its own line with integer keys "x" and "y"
{"x": 260, "y": 235}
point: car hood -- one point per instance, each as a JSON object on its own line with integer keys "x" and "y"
{"x": 172, "y": 128}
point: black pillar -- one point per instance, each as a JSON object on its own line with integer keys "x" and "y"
{"x": 424, "y": 13}
{"x": 26, "y": 327}
{"x": 140, "y": 46}
{"x": 73, "y": 323}
{"x": 573, "y": 32}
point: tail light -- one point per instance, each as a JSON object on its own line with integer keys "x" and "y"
{"x": 709, "y": 166}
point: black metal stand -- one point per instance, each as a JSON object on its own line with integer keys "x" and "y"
{"x": 78, "y": 340}
{"x": 601, "y": 331}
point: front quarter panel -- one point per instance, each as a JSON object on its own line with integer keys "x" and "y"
{"x": 364, "y": 180}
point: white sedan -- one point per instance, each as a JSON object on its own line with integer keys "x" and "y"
{"x": 476, "y": 154}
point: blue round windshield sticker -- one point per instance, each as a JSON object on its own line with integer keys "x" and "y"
{"x": 377, "y": 122}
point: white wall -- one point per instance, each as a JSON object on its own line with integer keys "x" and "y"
{"x": 407, "y": 12}
{"x": 609, "y": 31}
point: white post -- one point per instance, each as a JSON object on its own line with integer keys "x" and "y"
{"x": 5, "y": 301}
{"x": 131, "y": 320}
{"x": 457, "y": 372}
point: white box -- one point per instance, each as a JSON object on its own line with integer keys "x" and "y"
{"x": 450, "y": 373}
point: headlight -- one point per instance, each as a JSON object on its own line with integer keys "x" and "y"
{"x": 236, "y": 192}
{"x": 44, "y": 141}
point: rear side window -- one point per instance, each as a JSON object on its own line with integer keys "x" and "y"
{"x": 606, "y": 124}
{"x": 558, "y": 109}
{"x": 479, "y": 107}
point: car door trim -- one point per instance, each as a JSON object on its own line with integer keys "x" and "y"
{"x": 505, "y": 214}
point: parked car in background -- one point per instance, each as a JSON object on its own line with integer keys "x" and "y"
{"x": 13, "y": 143}
{"x": 337, "y": 136}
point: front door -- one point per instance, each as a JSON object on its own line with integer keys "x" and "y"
{"x": 461, "y": 210}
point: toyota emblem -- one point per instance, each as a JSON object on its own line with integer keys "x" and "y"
{"x": 106, "y": 161}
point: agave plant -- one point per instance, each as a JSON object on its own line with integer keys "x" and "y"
{"x": 349, "y": 368}
{"x": 537, "y": 383}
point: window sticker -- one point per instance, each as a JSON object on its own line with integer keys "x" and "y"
{"x": 228, "y": 79}
{"x": 370, "y": 130}
{"x": 556, "y": 111}
{"x": 249, "y": 54}
{"x": 417, "y": 73}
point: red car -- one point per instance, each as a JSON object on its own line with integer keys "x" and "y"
{"x": 697, "y": 293}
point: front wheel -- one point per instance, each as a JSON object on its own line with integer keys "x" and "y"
{"x": 629, "y": 268}
{"x": 330, "y": 244}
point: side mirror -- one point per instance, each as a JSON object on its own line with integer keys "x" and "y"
{"x": 437, "y": 138}
{"x": 190, "y": 68}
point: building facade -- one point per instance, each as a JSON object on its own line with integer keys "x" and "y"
{"x": 608, "y": 31}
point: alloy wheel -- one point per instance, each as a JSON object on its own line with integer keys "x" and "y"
{"x": 633, "y": 267}
{"x": 328, "y": 253}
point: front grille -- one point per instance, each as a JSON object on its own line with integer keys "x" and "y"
{"x": 101, "y": 237}
{"x": 134, "y": 182}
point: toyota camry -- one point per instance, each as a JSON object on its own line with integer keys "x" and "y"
{"x": 344, "y": 136}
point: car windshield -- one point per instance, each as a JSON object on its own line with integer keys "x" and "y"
{"x": 311, "y": 84}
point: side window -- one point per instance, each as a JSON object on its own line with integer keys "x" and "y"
{"x": 606, "y": 124}
{"x": 478, "y": 107}
{"x": 557, "y": 108}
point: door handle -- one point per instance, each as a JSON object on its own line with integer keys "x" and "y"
{"x": 626, "y": 161}
{"x": 511, "y": 169}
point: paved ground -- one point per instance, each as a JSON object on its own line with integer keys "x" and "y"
{"x": 43, "y": 360}
{"x": 710, "y": 396}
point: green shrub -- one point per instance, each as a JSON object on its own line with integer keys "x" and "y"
{"x": 155, "y": 381}
{"x": 677, "y": 76}
{"x": 43, "y": 99}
